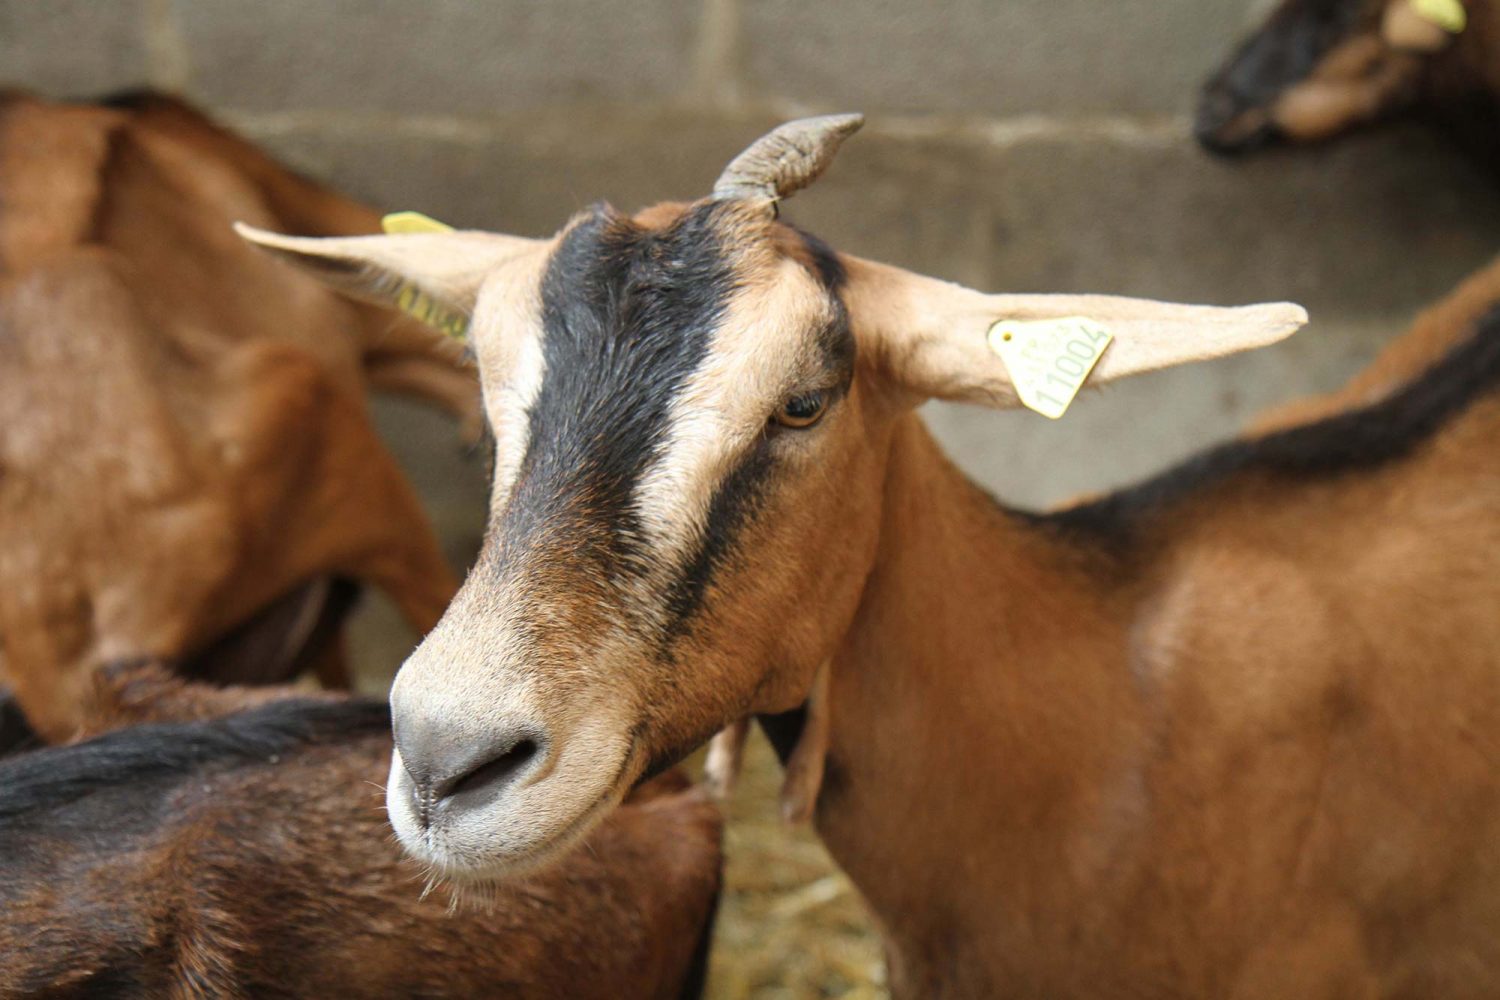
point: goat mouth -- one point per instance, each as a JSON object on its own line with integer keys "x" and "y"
{"x": 442, "y": 865}
{"x": 280, "y": 641}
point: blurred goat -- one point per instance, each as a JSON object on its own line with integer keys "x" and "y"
{"x": 232, "y": 844}
{"x": 187, "y": 465}
{"x": 1318, "y": 68}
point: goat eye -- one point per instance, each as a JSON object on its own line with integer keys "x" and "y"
{"x": 802, "y": 411}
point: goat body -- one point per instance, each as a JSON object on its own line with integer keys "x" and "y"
{"x": 1233, "y": 733}
{"x": 187, "y": 466}
{"x": 233, "y": 844}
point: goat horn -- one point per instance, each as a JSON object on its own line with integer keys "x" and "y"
{"x": 786, "y": 159}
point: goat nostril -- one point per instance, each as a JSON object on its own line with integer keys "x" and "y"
{"x": 493, "y": 772}
{"x": 455, "y": 770}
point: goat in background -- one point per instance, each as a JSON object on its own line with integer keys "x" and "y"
{"x": 188, "y": 470}
{"x": 231, "y": 843}
{"x": 1319, "y": 68}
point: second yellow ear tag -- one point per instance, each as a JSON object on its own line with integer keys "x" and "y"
{"x": 409, "y": 298}
{"x": 400, "y": 223}
{"x": 1049, "y": 360}
{"x": 1446, "y": 14}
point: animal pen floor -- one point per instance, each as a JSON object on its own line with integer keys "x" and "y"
{"x": 790, "y": 925}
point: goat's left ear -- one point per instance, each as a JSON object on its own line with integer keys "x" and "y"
{"x": 434, "y": 277}
{"x": 931, "y": 337}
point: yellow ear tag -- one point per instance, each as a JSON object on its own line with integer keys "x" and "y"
{"x": 401, "y": 223}
{"x": 1049, "y": 360}
{"x": 425, "y": 309}
{"x": 1446, "y": 14}
{"x": 409, "y": 298}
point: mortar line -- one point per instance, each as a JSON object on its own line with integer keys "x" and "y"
{"x": 1140, "y": 131}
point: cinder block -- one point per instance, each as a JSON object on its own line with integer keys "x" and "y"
{"x": 1364, "y": 234}
{"x": 72, "y": 48}
{"x": 1371, "y": 228}
{"x": 442, "y": 57}
{"x": 985, "y": 57}
{"x": 531, "y": 173}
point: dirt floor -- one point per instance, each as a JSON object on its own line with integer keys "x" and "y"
{"x": 790, "y": 925}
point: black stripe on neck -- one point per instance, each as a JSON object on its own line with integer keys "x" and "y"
{"x": 1357, "y": 440}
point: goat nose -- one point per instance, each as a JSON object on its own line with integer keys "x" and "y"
{"x": 1227, "y": 124}
{"x": 453, "y": 771}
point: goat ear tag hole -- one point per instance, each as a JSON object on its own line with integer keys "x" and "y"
{"x": 1049, "y": 361}
{"x": 1446, "y": 14}
{"x": 402, "y": 223}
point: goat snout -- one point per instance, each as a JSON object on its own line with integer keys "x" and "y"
{"x": 453, "y": 772}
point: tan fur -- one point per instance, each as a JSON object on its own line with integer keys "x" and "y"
{"x": 183, "y": 431}
{"x": 279, "y": 878}
{"x": 1358, "y": 82}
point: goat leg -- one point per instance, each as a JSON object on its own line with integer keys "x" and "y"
{"x": 804, "y": 768}
{"x": 726, "y": 754}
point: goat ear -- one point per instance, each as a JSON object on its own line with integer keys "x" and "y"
{"x": 434, "y": 277}
{"x": 932, "y": 337}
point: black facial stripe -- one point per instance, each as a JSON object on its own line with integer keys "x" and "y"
{"x": 739, "y": 494}
{"x": 836, "y": 339}
{"x": 827, "y": 267}
{"x": 628, "y": 315}
{"x": 733, "y": 503}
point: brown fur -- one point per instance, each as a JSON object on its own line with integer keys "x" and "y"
{"x": 279, "y": 878}
{"x": 1436, "y": 331}
{"x": 184, "y": 439}
{"x": 1240, "y": 742}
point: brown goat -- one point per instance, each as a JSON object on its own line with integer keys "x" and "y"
{"x": 232, "y": 844}
{"x": 1318, "y": 68}
{"x": 1230, "y": 733}
{"x": 188, "y": 470}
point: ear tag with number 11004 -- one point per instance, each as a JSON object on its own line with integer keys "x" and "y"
{"x": 1049, "y": 360}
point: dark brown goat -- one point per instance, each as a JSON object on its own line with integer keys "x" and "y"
{"x": 1318, "y": 68}
{"x": 187, "y": 467}
{"x": 232, "y": 844}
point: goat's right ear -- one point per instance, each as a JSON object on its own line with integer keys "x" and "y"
{"x": 434, "y": 277}
{"x": 931, "y": 338}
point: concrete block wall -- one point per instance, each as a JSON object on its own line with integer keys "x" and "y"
{"x": 1012, "y": 144}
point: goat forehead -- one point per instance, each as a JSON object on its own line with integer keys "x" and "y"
{"x": 627, "y": 314}
{"x": 661, "y": 349}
